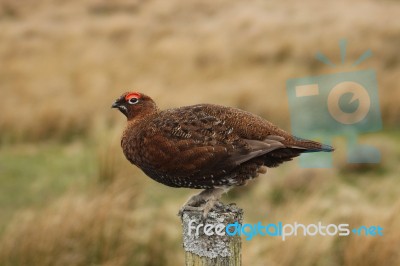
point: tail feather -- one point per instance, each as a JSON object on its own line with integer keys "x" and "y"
{"x": 292, "y": 150}
{"x": 310, "y": 146}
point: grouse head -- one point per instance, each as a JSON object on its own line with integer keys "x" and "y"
{"x": 134, "y": 105}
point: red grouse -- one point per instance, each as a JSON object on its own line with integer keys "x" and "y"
{"x": 204, "y": 146}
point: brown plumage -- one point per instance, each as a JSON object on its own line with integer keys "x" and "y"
{"x": 204, "y": 146}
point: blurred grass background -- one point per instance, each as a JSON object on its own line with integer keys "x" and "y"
{"x": 67, "y": 195}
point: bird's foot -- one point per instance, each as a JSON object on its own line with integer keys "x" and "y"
{"x": 204, "y": 202}
{"x": 205, "y": 208}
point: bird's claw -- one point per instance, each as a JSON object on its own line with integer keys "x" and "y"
{"x": 205, "y": 208}
{"x": 203, "y": 202}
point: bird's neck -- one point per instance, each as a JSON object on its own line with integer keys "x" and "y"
{"x": 143, "y": 115}
{"x": 137, "y": 124}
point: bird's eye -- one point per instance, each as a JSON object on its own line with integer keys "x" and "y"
{"x": 133, "y": 100}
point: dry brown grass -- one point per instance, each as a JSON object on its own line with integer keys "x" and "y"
{"x": 75, "y": 230}
{"x": 62, "y": 63}
{"x": 103, "y": 227}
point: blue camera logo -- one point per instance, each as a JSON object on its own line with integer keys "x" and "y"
{"x": 340, "y": 104}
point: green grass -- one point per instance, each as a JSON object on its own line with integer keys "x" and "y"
{"x": 92, "y": 190}
{"x": 62, "y": 186}
{"x": 32, "y": 175}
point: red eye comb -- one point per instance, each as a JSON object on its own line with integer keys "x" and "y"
{"x": 132, "y": 95}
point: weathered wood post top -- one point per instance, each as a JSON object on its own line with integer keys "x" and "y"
{"x": 206, "y": 242}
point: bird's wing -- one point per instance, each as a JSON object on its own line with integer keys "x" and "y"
{"x": 186, "y": 140}
{"x": 256, "y": 149}
{"x": 212, "y": 138}
{"x": 253, "y": 127}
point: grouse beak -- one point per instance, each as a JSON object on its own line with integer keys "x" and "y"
{"x": 120, "y": 106}
{"x": 115, "y": 105}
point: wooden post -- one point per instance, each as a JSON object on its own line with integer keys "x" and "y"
{"x": 216, "y": 250}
